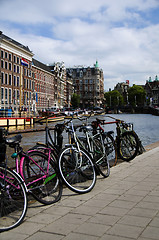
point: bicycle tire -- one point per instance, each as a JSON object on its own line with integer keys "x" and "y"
{"x": 48, "y": 189}
{"x": 110, "y": 148}
{"x": 79, "y": 179}
{"x": 13, "y": 199}
{"x": 100, "y": 158}
{"x": 128, "y": 146}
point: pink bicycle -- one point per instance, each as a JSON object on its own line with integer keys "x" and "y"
{"x": 38, "y": 170}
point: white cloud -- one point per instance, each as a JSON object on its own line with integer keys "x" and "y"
{"x": 115, "y": 32}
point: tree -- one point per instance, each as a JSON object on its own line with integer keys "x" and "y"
{"x": 113, "y": 98}
{"x": 75, "y": 100}
{"x": 136, "y": 95}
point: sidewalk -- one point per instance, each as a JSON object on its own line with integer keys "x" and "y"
{"x": 124, "y": 206}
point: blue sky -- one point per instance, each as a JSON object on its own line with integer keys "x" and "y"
{"x": 123, "y": 35}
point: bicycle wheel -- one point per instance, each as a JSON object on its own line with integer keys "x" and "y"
{"x": 128, "y": 146}
{"x": 77, "y": 169}
{"x": 110, "y": 149}
{"x": 42, "y": 178}
{"x": 100, "y": 157}
{"x": 13, "y": 199}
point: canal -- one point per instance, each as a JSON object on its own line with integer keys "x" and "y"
{"x": 145, "y": 125}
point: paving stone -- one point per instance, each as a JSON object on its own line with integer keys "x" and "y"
{"x": 43, "y": 218}
{"x": 79, "y": 236}
{"x": 155, "y": 222}
{"x": 92, "y": 229}
{"x": 104, "y": 219}
{"x": 151, "y": 233}
{"x": 10, "y": 235}
{"x": 125, "y": 231}
{"x": 96, "y": 203}
{"x": 112, "y": 237}
{"x": 148, "y": 205}
{"x": 152, "y": 199}
{"x": 130, "y": 197}
{"x": 87, "y": 210}
{"x": 59, "y": 227}
{"x": 44, "y": 235}
{"x": 59, "y": 210}
{"x": 122, "y": 204}
{"x": 74, "y": 218}
{"x": 114, "y": 211}
{"x": 143, "y": 212}
{"x": 28, "y": 228}
{"x": 135, "y": 221}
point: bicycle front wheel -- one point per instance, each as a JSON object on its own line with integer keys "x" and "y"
{"x": 128, "y": 146}
{"x": 13, "y": 200}
{"x": 42, "y": 178}
{"x": 77, "y": 169}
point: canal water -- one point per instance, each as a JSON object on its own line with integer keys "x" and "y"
{"x": 145, "y": 125}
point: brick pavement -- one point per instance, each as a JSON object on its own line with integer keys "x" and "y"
{"x": 124, "y": 206}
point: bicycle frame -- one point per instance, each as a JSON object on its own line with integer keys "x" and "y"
{"x": 19, "y": 165}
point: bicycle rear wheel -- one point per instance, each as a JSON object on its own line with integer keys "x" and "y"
{"x": 100, "y": 158}
{"x": 77, "y": 169}
{"x": 110, "y": 149}
{"x": 128, "y": 146}
{"x": 13, "y": 200}
{"x": 42, "y": 178}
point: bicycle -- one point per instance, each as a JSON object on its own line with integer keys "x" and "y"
{"x": 76, "y": 166}
{"x": 38, "y": 171}
{"x": 126, "y": 144}
{"x": 94, "y": 144}
{"x": 13, "y": 193}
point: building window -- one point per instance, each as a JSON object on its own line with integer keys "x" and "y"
{"x": 18, "y": 60}
{"x": 6, "y": 95}
{"x": 10, "y": 66}
{"x": 17, "y": 69}
{"x": 14, "y": 81}
{"x": 2, "y": 64}
{"x": 6, "y": 65}
{"x": 14, "y": 68}
{"x": 10, "y": 57}
{"x": 2, "y": 79}
{"x": 24, "y": 83}
{"x": 2, "y": 54}
{"x": 6, "y": 55}
{"x": 14, "y": 59}
{"x": 17, "y": 81}
{"x": 2, "y": 93}
{"x": 6, "y": 78}
{"x": 17, "y": 94}
{"x": 10, "y": 96}
{"x": 10, "y": 79}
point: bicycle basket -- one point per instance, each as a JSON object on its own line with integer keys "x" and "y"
{"x": 126, "y": 127}
{"x": 3, "y": 134}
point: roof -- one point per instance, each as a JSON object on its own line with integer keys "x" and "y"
{"x": 2, "y": 36}
{"x": 41, "y": 65}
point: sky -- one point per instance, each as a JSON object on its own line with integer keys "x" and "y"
{"x": 122, "y": 35}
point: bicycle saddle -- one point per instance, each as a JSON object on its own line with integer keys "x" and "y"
{"x": 14, "y": 140}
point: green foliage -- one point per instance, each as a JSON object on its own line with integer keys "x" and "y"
{"x": 136, "y": 95}
{"x": 75, "y": 100}
{"x": 113, "y": 98}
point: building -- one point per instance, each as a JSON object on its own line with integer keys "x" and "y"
{"x": 16, "y": 80}
{"x": 44, "y": 84}
{"x": 122, "y": 88}
{"x": 88, "y": 82}
{"x": 28, "y": 85}
{"x": 59, "y": 71}
{"x": 152, "y": 91}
